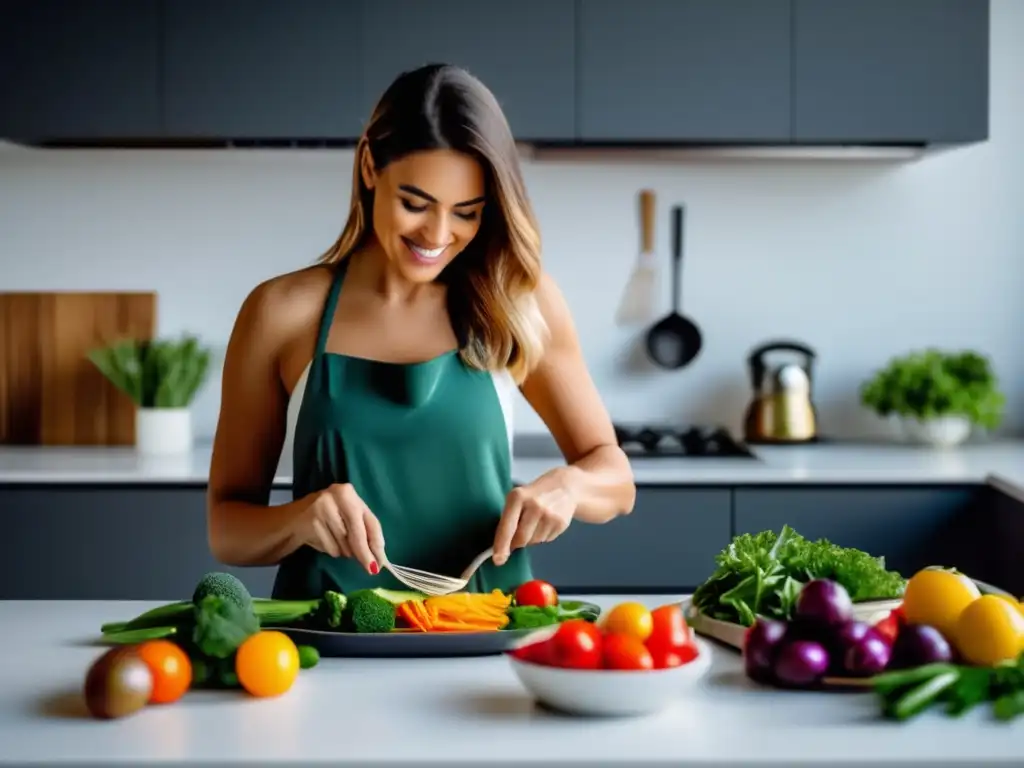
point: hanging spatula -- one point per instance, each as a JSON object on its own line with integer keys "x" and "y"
{"x": 637, "y": 301}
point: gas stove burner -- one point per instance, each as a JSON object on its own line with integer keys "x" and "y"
{"x": 683, "y": 442}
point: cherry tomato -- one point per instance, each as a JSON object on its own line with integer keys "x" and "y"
{"x": 664, "y": 658}
{"x": 576, "y": 645}
{"x": 622, "y": 651}
{"x": 267, "y": 663}
{"x": 536, "y": 592}
{"x": 669, "y": 630}
{"x": 631, "y": 618}
{"x": 170, "y": 667}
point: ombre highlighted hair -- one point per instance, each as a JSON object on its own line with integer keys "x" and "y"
{"x": 492, "y": 283}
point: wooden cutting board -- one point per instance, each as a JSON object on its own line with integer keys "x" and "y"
{"x": 50, "y": 393}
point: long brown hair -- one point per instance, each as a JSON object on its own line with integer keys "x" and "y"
{"x": 492, "y": 282}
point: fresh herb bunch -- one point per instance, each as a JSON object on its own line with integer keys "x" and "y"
{"x": 155, "y": 373}
{"x": 761, "y": 574}
{"x": 932, "y": 383}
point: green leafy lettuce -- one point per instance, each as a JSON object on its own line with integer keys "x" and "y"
{"x": 761, "y": 574}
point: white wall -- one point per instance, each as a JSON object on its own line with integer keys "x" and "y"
{"x": 860, "y": 260}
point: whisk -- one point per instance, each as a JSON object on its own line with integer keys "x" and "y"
{"x": 434, "y": 583}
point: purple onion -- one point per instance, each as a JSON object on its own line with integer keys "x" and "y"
{"x": 759, "y": 647}
{"x": 823, "y": 603}
{"x": 918, "y": 644}
{"x": 801, "y": 663}
{"x": 867, "y": 656}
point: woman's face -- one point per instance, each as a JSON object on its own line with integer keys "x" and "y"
{"x": 427, "y": 208}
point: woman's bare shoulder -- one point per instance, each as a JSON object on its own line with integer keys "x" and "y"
{"x": 286, "y": 304}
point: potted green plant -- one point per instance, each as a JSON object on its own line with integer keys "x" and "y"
{"x": 938, "y": 396}
{"x": 162, "y": 377}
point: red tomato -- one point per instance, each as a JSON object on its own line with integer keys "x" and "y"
{"x": 577, "y": 644}
{"x": 665, "y": 658}
{"x": 537, "y": 653}
{"x": 536, "y": 592}
{"x": 625, "y": 652}
{"x": 670, "y": 632}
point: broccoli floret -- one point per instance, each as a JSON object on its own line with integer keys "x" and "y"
{"x": 366, "y": 611}
{"x": 330, "y": 610}
{"x": 222, "y": 585}
{"x": 221, "y": 626}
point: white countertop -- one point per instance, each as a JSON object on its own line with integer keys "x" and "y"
{"x": 826, "y": 463}
{"x": 444, "y": 711}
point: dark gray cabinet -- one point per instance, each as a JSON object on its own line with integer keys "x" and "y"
{"x": 772, "y": 72}
{"x": 684, "y": 70}
{"x": 911, "y": 527}
{"x": 668, "y": 544}
{"x": 524, "y": 52}
{"x": 262, "y": 69}
{"x": 108, "y": 543}
{"x": 78, "y": 69}
{"x": 891, "y": 70}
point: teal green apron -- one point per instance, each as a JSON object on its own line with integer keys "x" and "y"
{"x": 425, "y": 445}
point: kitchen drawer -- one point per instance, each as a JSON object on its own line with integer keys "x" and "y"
{"x": 104, "y": 542}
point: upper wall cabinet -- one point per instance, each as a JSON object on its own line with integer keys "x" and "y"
{"x": 523, "y": 51}
{"x": 684, "y": 70}
{"x": 913, "y": 71}
{"x": 755, "y": 72}
{"x": 79, "y": 70}
{"x": 262, "y": 69}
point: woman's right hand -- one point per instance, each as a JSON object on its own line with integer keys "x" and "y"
{"x": 337, "y": 522}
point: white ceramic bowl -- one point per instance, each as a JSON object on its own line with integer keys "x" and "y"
{"x": 608, "y": 692}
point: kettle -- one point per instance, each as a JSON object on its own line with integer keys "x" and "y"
{"x": 782, "y": 409}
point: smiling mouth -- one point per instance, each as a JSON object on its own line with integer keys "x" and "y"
{"x": 425, "y": 254}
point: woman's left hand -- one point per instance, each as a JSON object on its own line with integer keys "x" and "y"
{"x": 535, "y": 513}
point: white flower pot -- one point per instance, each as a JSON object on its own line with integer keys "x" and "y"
{"x": 943, "y": 432}
{"x": 163, "y": 431}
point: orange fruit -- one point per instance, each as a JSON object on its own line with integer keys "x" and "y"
{"x": 267, "y": 663}
{"x": 170, "y": 667}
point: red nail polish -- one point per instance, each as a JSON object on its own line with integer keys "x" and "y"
{"x": 373, "y": 568}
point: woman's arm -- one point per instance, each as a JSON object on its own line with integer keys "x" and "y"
{"x": 242, "y": 529}
{"x": 561, "y": 391}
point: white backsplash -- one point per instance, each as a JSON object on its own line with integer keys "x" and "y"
{"x": 860, "y": 260}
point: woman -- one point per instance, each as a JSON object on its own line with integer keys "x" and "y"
{"x": 401, "y": 351}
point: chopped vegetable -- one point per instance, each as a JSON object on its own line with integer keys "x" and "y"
{"x": 761, "y": 575}
{"x": 531, "y": 616}
{"x": 460, "y": 612}
{"x": 367, "y": 611}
